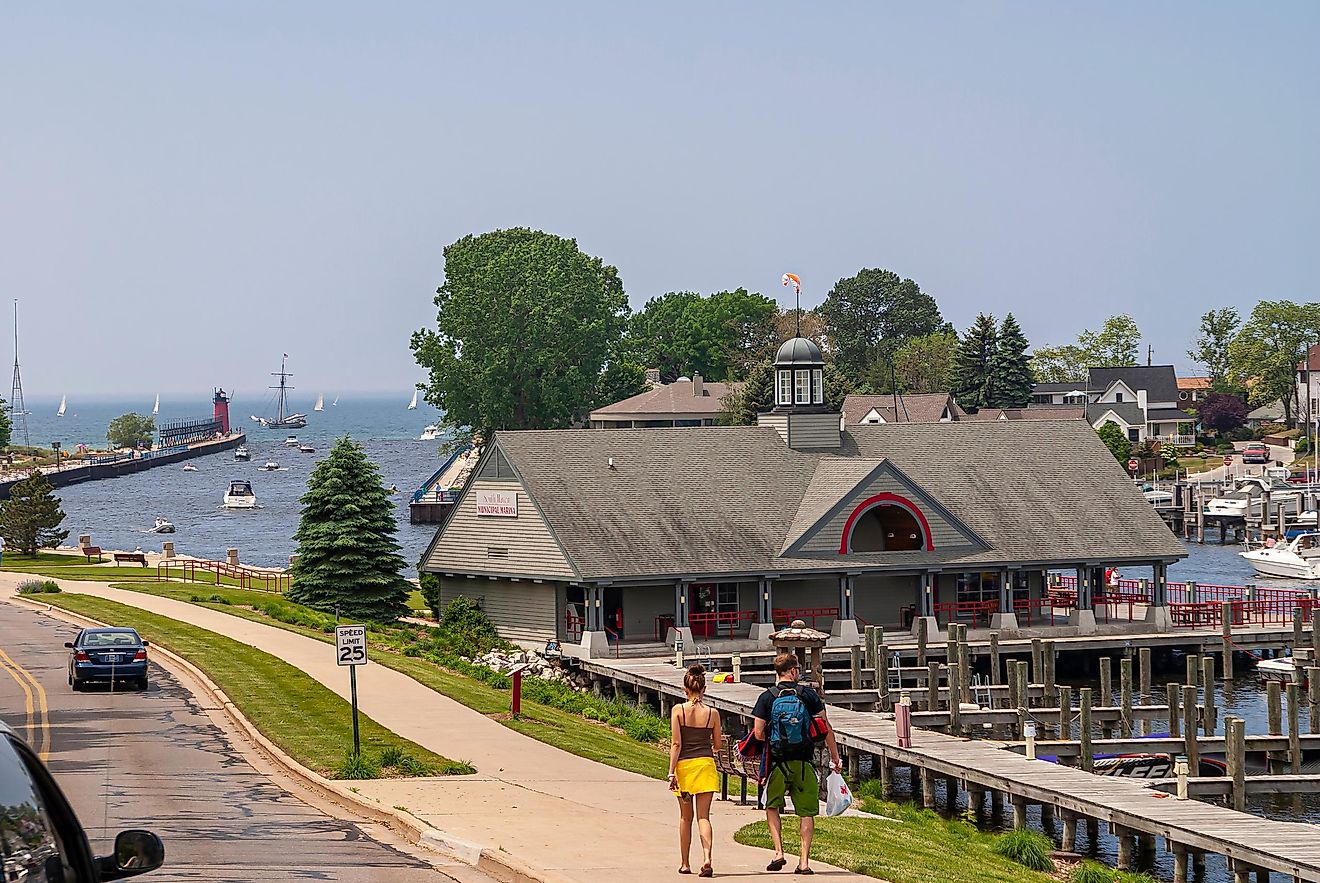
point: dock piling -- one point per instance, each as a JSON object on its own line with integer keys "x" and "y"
{"x": 1084, "y": 730}
{"x": 1294, "y": 728}
{"x": 1069, "y": 840}
{"x": 1226, "y": 631}
{"x": 994, "y": 659}
{"x": 1191, "y": 748}
{"x": 1065, "y": 713}
{"x": 932, "y": 686}
{"x": 1106, "y": 692}
{"x": 1274, "y": 721}
{"x": 1125, "y": 691}
{"x": 855, "y": 668}
{"x": 1172, "y": 700}
{"x": 1313, "y": 697}
{"x": 1143, "y": 669}
{"x": 955, "y": 705}
{"x": 921, "y": 641}
{"x": 1235, "y": 752}
{"x": 1208, "y": 688}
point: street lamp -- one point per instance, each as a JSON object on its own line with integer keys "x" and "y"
{"x": 55, "y": 446}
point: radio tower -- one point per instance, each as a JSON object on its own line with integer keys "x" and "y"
{"x": 17, "y": 411}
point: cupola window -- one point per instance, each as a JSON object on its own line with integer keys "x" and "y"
{"x": 785, "y": 388}
{"x": 818, "y": 387}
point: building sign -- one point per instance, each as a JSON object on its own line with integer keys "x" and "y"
{"x": 498, "y": 503}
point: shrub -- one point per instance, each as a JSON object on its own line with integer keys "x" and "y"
{"x": 1027, "y": 848}
{"x": 429, "y": 584}
{"x": 466, "y": 630}
{"x": 38, "y": 586}
{"x": 414, "y": 767}
{"x": 219, "y": 599}
{"x": 1091, "y": 872}
{"x": 357, "y": 766}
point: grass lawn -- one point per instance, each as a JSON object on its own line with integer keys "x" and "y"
{"x": 297, "y": 713}
{"x": 58, "y": 566}
{"x": 918, "y": 847}
{"x": 568, "y": 732}
{"x": 417, "y": 603}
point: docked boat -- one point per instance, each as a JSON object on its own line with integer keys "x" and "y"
{"x": 291, "y": 442}
{"x": 162, "y": 526}
{"x": 240, "y": 496}
{"x": 283, "y": 419}
{"x": 270, "y": 466}
{"x": 188, "y": 467}
{"x": 430, "y": 433}
{"x": 1298, "y": 558}
{"x": 1157, "y": 497}
{"x": 306, "y": 449}
{"x": 242, "y": 453}
{"x": 1283, "y": 669}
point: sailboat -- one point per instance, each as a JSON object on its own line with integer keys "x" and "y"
{"x": 320, "y": 403}
{"x": 64, "y": 403}
{"x": 412, "y": 406}
{"x": 283, "y": 420}
{"x": 155, "y": 409}
{"x": 335, "y": 402}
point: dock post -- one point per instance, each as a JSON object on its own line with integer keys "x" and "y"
{"x": 1294, "y": 728}
{"x": 1297, "y": 632}
{"x": 1084, "y": 730}
{"x": 870, "y": 642}
{"x": 932, "y": 686}
{"x": 1208, "y": 687}
{"x": 1226, "y": 638}
{"x": 1241, "y": 870}
{"x": 1106, "y": 697}
{"x": 1198, "y": 863}
{"x": 1010, "y": 677}
{"x": 1179, "y": 863}
{"x": 1145, "y": 849}
{"x": 1024, "y": 698}
{"x": 996, "y": 803}
{"x": 1124, "y": 838}
{"x": 955, "y": 705}
{"x": 882, "y": 674}
{"x": 886, "y": 776}
{"x": 1144, "y": 681}
{"x": 1065, "y": 713}
{"x": 1019, "y": 812}
{"x": 1069, "y": 840}
{"x": 995, "y": 677}
{"x": 854, "y": 765}
{"x": 854, "y": 667}
{"x": 1172, "y": 701}
{"x": 617, "y": 689}
{"x": 1050, "y": 657}
{"x": 950, "y": 794}
{"x": 1313, "y": 698}
{"x": 1047, "y": 819}
{"x": 1192, "y": 748}
{"x": 1093, "y": 833}
{"x": 1193, "y": 669}
{"x": 921, "y": 641}
{"x": 964, "y": 666}
{"x": 1235, "y": 752}
{"x": 927, "y": 789}
{"x": 1315, "y": 634}
{"x": 1037, "y": 661}
{"x": 1125, "y": 691}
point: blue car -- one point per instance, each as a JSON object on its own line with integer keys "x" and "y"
{"x": 107, "y": 655}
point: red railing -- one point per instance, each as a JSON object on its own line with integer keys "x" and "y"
{"x": 1202, "y": 614}
{"x": 573, "y": 625}
{"x": 215, "y": 572}
{"x": 955, "y": 610}
{"x": 1269, "y": 612}
{"x": 786, "y": 615}
{"x": 710, "y": 625}
{"x": 1036, "y": 608}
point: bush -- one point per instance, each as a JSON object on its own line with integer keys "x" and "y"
{"x": 1091, "y": 872}
{"x": 466, "y": 630}
{"x": 430, "y": 588}
{"x": 38, "y": 586}
{"x": 1027, "y": 848}
{"x": 357, "y": 766}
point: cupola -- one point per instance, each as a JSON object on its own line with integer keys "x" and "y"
{"x": 800, "y": 413}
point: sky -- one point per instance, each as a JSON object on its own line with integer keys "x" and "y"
{"x": 189, "y": 190}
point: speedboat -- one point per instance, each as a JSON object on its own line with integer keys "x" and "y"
{"x": 241, "y": 453}
{"x": 188, "y": 467}
{"x": 1283, "y": 669}
{"x": 291, "y": 441}
{"x": 1160, "y": 499}
{"x": 162, "y": 526}
{"x": 430, "y": 433}
{"x": 306, "y": 449}
{"x": 270, "y": 466}
{"x": 240, "y": 496}
{"x": 1298, "y": 558}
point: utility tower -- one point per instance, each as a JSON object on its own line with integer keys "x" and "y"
{"x": 17, "y": 411}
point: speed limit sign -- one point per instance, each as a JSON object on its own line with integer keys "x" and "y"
{"x": 351, "y": 644}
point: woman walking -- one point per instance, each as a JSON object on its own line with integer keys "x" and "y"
{"x": 694, "y": 739}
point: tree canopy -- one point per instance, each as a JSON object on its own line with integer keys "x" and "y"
{"x": 1210, "y": 349}
{"x": 1117, "y": 344}
{"x": 869, "y": 315}
{"x": 921, "y": 365}
{"x": 1269, "y": 346}
{"x": 717, "y": 336}
{"x": 347, "y": 555}
{"x": 972, "y": 379}
{"x": 526, "y": 324}
{"x": 1011, "y": 380}
{"x": 1222, "y": 412}
{"x": 30, "y": 519}
{"x": 6, "y": 425}
{"x": 131, "y": 430}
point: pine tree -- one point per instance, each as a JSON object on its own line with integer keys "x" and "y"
{"x": 972, "y": 381}
{"x": 1011, "y": 379}
{"x": 30, "y": 518}
{"x": 347, "y": 555}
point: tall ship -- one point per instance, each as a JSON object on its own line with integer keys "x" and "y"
{"x": 283, "y": 419}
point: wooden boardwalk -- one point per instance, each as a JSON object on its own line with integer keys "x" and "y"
{"x": 1186, "y": 825}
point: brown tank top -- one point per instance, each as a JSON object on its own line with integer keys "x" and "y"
{"x": 695, "y": 742}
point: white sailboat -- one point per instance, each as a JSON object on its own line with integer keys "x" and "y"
{"x": 64, "y": 403}
{"x": 412, "y": 406}
{"x": 155, "y": 409}
{"x": 335, "y": 402}
{"x": 320, "y": 403}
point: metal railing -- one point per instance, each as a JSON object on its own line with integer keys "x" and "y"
{"x": 222, "y": 573}
{"x": 713, "y": 623}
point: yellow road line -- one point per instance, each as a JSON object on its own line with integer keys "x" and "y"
{"x": 42, "y": 716}
{"x": 27, "y": 693}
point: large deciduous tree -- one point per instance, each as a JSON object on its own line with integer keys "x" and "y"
{"x": 1210, "y": 349}
{"x": 1116, "y": 345}
{"x": 719, "y": 336}
{"x": 30, "y": 519}
{"x": 1269, "y": 346}
{"x": 131, "y": 430}
{"x": 972, "y": 381}
{"x": 868, "y": 316}
{"x": 6, "y": 425}
{"x": 921, "y": 365}
{"x": 347, "y": 555}
{"x": 1059, "y": 364}
{"x": 1222, "y": 412}
{"x": 526, "y": 324}
{"x": 1011, "y": 380}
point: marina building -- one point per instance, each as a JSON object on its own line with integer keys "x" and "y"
{"x": 596, "y": 536}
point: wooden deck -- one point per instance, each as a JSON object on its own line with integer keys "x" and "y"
{"x": 1284, "y": 847}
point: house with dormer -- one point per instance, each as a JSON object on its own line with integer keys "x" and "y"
{"x": 596, "y": 538}
{"x": 1142, "y": 400}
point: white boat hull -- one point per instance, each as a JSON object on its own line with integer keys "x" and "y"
{"x": 1282, "y": 563}
{"x": 244, "y": 502}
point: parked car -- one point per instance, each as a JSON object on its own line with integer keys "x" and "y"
{"x": 107, "y": 654}
{"x": 1256, "y": 453}
{"x": 44, "y": 840}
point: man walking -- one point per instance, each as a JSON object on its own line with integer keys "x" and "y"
{"x": 791, "y": 717}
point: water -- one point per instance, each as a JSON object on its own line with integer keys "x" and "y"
{"x": 116, "y": 512}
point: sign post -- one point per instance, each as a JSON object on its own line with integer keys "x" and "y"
{"x": 351, "y": 650}
{"x": 517, "y": 674}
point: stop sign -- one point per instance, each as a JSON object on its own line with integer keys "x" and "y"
{"x": 1228, "y": 460}
{"x": 1133, "y": 464}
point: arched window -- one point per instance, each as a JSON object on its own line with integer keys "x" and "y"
{"x": 886, "y": 523}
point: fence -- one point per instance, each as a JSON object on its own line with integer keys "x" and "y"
{"x": 221, "y": 573}
{"x": 711, "y": 625}
{"x": 954, "y": 611}
{"x": 786, "y": 615}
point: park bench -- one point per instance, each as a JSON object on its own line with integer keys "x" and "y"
{"x": 133, "y": 557}
{"x": 729, "y": 763}
{"x": 89, "y": 551}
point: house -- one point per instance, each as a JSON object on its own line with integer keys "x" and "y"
{"x": 1308, "y": 387}
{"x": 1142, "y": 400}
{"x": 1035, "y": 412}
{"x": 1270, "y": 412}
{"x": 685, "y": 402}
{"x": 922, "y": 408}
{"x": 1192, "y": 389}
{"x": 607, "y": 536}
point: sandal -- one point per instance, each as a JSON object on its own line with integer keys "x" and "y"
{"x": 777, "y": 864}
{"x": 707, "y": 871}
{"x": 685, "y": 870}
{"x": 803, "y": 871}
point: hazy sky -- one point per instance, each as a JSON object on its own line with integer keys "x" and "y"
{"x": 187, "y": 190}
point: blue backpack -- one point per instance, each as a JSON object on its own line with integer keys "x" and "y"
{"x": 790, "y": 726}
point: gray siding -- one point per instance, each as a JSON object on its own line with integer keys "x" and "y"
{"x": 641, "y": 605}
{"x": 823, "y": 592}
{"x": 814, "y": 431}
{"x": 779, "y": 422}
{"x": 472, "y": 543}
{"x": 827, "y": 538}
{"x": 520, "y": 611}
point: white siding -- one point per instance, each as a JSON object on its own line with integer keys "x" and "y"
{"x": 520, "y": 611}
{"x": 471, "y": 543}
{"x": 828, "y": 537}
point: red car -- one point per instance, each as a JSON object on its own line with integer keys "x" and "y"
{"x": 1256, "y": 453}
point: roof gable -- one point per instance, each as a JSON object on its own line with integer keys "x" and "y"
{"x": 1159, "y": 381}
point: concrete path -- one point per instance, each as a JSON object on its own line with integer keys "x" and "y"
{"x": 551, "y": 810}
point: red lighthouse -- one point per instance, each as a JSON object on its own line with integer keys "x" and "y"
{"x": 221, "y": 402}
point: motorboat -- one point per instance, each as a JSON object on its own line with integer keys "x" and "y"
{"x": 306, "y": 449}
{"x": 1283, "y": 669}
{"x": 240, "y": 496}
{"x": 241, "y": 453}
{"x": 291, "y": 441}
{"x": 269, "y": 466}
{"x": 162, "y": 526}
{"x": 1298, "y": 558}
{"x": 1157, "y": 497}
{"x": 188, "y": 467}
{"x": 430, "y": 433}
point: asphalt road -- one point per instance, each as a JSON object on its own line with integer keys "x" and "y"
{"x": 155, "y": 760}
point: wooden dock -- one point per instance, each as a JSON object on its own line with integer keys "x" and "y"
{"x": 1133, "y": 810}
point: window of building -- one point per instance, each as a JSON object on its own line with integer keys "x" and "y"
{"x": 1118, "y": 397}
{"x": 802, "y": 387}
{"x": 1078, "y": 399}
{"x": 1134, "y": 434}
{"x": 726, "y": 597}
{"x": 1044, "y": 399}
{"x": 785, "y": 387}
{"x": 887, "y": 529}
{"x": 818, "y": 387}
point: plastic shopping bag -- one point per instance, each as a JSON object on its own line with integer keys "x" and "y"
{"x": 837, "y": 796}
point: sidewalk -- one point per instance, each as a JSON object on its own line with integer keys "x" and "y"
{"x": 547, "y": 808}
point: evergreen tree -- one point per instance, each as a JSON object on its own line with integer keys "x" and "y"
{"x": 1010, "y": 368}
{"x": 972, "y": 381}
{"x": 1116, "y": 441}
{"x": 30, "y": 519}
{"x": 6, "y": 425}
{"x": 347, "y": 555}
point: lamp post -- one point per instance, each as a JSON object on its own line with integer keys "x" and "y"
{"x": 55, "y": 446}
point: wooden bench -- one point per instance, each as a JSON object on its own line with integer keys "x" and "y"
{"x": 89, "y": 551}
{"x": 133, "y": 557}
{"x": 729, "y": 763}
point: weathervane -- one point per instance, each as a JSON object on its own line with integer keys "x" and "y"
{"x": 790, "y": 279}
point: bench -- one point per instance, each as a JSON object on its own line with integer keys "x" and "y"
{"x": 133, "y": 557}
{"x": 89, "y": 551}
{"x": 729, "y": 763}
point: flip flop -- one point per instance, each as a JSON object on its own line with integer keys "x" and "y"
{"x": 707, "y": 871}
{"x": 803, "y": 871}
{"x": 685, "y": 870}
{"x": 777, "y": 864}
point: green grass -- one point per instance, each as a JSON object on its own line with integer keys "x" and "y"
{"x": 312, "y": 724}
{"x": 417, "y": 603}
{"x": 74, "y": 567}
{"x": 918, "y": 847}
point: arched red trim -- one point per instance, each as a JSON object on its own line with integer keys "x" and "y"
{"x": 885, "y": 499}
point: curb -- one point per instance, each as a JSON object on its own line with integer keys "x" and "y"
{"x": 491, "y": 862}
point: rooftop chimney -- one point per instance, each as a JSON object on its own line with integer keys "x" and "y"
{"x": 697, "y": 386}
{"x": 653, "y": 376}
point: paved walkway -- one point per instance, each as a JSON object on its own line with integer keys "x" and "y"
{"x": 547, "y": 808}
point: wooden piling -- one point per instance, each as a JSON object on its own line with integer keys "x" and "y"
{"x": 994, "y": 659}
{"x": 933, "y": 686}
{"x": 1175, "y": 718}
{"x": 1124, "y": 838}
{"x": 1315, "y": 634}
{"x": 1210, "y": 723}
{"x": 1294, "y": 728}
{"x": 1047, "y": 819}
{"x": 1179, "y": 863}
{"x": 1024, "y": 688}
{"x": 964, "y": 666}
{"x": 1010, "y": 676}
{"x": 1093, "y": 832}
{"x": 1086, "y": 761}
{"x": 1106, "y": 693}
{"x": 1019, "y": 812}
{"x": 886, "y": 771}
{"x": 955, "y": 678}
{"x": 1235, "y": 734}
{"x": 854, "y": 765}
{"x": 1191, "y": 747}
{"x": 1037, "y": 660}
{"x": 1125, "y": 695}
{"x": 1297, "y": 617}
{"x": 1069, "y": 840}
{"x": 1049, "y": 656}
{"x": 1313, "y": 697}
{"x": 881, "y": 673}
{"x": 1143, "y": 669}
{"x": 1274, "y": 722}
{"x": 1065, "y": 713}
{"x": 1193, "y": 669}
{"x": 1226, "y": 639}
{"x": 921, "y": 642}
{"x": 870, "y": 635}
{"x": 855, "y": 668}
{"x": 927, "y": 789}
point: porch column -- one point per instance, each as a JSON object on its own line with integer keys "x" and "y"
{"x": 844, "y": 633}
{"x": 926, "y": 606}
{"x": 1006, "y": 619}
{"x": 595, "y": 642}
{"x": 1083, "y": 617}
{"x": 682, "y": 604}
{"x": 764, "y": 626}
{"x": 1157, "y": 614}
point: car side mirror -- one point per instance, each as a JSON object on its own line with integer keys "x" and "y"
{"x": 146, "y": 643}
{"x": 136, "y": 852}
{"x": 68, "y": 644}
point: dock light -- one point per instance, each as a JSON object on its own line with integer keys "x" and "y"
{"x": 1180, "y": 768}
{"x": 737, "y": 667}
{"x": 1030, "y": 733}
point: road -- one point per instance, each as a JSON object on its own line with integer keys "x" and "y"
{"x": 155, "y": 760}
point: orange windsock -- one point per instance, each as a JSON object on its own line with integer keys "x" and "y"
{"x": 790, "y": 279}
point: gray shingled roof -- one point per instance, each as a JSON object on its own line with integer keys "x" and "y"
{"x": 676, "y": 399}
{"x": 1169, "y": 414}
{"x": 920, "y": 408}
{"x": 834, "y": 477}
{"x": 1159, "y": 381}
{"x": 722, "y": 500}
{"x": 1130, "y": 412}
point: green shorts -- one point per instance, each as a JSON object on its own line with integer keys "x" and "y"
{"x": 798, "y": 779}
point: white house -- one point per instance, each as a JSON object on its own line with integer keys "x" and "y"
{"x": 1140, "y": 400}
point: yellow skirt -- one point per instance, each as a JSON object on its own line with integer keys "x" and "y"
{"x": 697, "y": 776}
